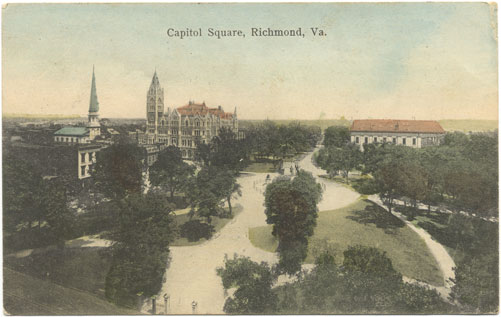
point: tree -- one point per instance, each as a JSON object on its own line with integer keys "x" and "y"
{"x": 229, "y": 152}
{"x": 413, "y": 184}
{"x": 118, "y": 170}
{"x": 140, "y": 250}
{"x": 416, "y": 299}
{"x": 171, "y": 171}
{"x": 387, "y": 182}
{"x": 225, "y": 151}
{"x": 366, "y": 283}
{"x": 291, "y": 206}
{"x": 204, "y": 195}
{"x": 476, "y": 283}
{"x": 53, "y": 204}
{"x": 369, "y": 260}
{"x": 253, "y": 282}
{"x": 336, "y": 136}
{"x": 22, "y": 185}
{"x": 342, "y": 159}
{"x": 226, "y": 183}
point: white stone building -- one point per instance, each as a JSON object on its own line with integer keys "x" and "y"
{"x": 413, "y": 133}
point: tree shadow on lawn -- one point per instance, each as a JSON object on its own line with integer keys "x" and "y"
{"x": 194, "y": 230}
{"x": 411, "y": 213}
{"x": 378, "y": 216}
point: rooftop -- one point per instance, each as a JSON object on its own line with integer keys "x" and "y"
{"x": 388, "y": 125}
{"x": 201, "y": 109}
{"x": 72, "y": 131}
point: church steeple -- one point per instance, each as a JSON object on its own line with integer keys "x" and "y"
{"x": 94, "y": 104}
{"x": 93, "y": 125}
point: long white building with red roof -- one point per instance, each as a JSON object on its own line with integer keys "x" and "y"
{"x": 413, "y": 133}
{"x": 184, "y": 127}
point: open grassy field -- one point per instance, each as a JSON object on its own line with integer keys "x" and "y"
{"x": 366, "y": 224}
{"x": 24, "y": 294}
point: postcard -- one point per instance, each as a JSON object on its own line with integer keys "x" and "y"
{"x": 250, "y": 158}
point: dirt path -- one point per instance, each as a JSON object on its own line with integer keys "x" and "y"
{"x": 192, "y": 276}
{"x": 444, "y": 260}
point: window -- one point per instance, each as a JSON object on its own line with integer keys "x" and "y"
{"x": 198, "y": 123}
{"x": 394, "y": 140}
{"x": 82, "y": 157}
{"x": 414, "y": 141}
{"x": 404, "y": 141}
{"x": 375, "y": 139}
{"x": 82, "y": 170}
{"x": 366, "y": 140}
{"x": 357, "y": 140}
{"x": 384, "y": 139}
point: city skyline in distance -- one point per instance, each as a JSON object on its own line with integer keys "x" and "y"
{"x": 405, "y": 61}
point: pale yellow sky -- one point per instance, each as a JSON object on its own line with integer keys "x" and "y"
{"x": 399, "y": 60}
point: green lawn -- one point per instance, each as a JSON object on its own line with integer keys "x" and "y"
{"x": 264, "y": 167}
{"x": 367, "y": 224}
{"x": 24, "y": 294}
{"x": 81, "y": 268}
{"x": 217, "y": 222}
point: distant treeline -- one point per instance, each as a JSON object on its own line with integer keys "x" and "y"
{"x": 448, "y": 125}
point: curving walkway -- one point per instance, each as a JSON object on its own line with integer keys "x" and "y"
{"x": 191, "y": 275}
{"x": 444, "y": 260}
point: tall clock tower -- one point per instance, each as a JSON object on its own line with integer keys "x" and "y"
{"x": 154, "y": 105}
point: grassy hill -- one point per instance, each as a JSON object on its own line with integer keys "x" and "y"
{"x": 27, "y": 295}
{"x": 64, "y": 282}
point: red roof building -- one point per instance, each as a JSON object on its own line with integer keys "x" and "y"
{"x": 414, "y": 133}
{"x": 184, "y": 127}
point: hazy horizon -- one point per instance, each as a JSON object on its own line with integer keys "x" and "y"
{"x": 434, "y": 61}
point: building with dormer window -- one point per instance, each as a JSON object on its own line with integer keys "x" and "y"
{"x": 184, "y": 127}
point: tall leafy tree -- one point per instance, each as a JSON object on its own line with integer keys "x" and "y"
{"x": 170, "y": 171}
{"x": 61, "y": 220}
{"x": 225, "y": 182}
{"x": 118, "y": 170}
{"x": 205, "y": 196}
{"x": 291, "y": 206}
{"x": 253, "y": 282}
{"x": 336, "y": 136}
{"x": 22, "y": 184}
{"x": 140, "y": 250}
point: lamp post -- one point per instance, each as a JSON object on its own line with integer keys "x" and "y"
{"x": 166, "y": 301}
{"x": 154, "y": 305}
